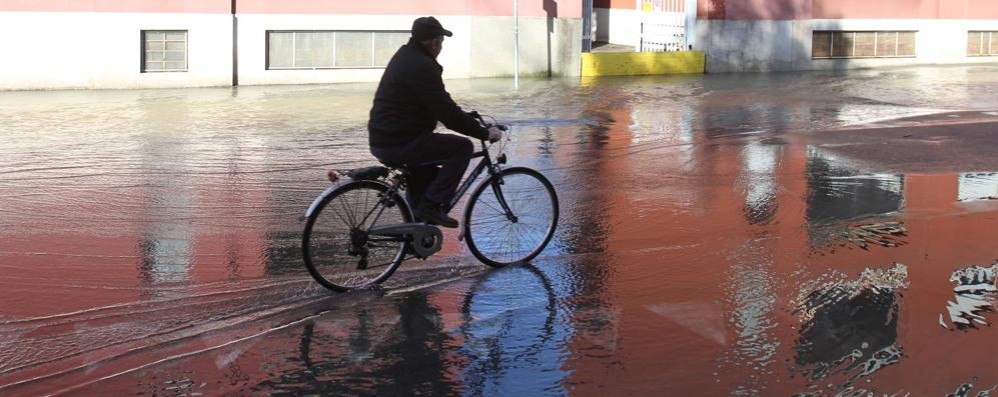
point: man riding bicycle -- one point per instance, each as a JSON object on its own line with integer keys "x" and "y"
{"x": 410, "y": 101}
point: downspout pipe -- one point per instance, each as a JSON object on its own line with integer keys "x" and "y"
{"x": 587, "y": 25}
{"x": 516, "y": 44}
{"x": 235, "y": 44}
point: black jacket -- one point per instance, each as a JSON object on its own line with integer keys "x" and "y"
{"x": 411, "y": 99}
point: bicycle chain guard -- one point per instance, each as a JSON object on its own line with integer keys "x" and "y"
{"x": 424, "y": 240}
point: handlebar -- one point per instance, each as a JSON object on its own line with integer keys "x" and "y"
{"x": 481, "y": 119}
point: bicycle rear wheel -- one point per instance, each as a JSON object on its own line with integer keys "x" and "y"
{"x": 337, "y": 251}
{"x": 498, "y": 238}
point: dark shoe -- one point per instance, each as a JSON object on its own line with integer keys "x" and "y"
{"x": 434, "y": 215}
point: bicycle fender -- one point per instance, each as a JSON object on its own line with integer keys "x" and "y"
{"x": 323, "y": 195}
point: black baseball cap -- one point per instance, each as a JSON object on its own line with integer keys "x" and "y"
{"x": 426, "y": 28}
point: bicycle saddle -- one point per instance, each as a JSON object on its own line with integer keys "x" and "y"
{"x": 367, "y": 173}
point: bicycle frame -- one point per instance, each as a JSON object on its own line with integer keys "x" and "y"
{"x": 485, "y": 163}
{"x": 415, "y": 233}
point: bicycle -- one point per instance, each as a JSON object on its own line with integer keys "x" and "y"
{"x": 359, "y": 230}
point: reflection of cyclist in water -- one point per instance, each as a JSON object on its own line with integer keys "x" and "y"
{"x": 410, "y": 100}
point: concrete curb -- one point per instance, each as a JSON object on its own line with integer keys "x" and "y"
{"x": 642, "y": 63}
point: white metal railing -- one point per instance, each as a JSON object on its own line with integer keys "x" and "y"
{"x": 662, "y": 31}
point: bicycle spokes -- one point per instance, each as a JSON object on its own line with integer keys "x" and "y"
{"x": 340, "y": 252}
{"x": 514, "y": 220}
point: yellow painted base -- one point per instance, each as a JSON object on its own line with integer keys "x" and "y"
{"x": 642, "y": 63}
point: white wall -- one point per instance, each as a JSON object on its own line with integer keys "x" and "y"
{"x": 253, "y": 46}
{"x": 560, "y": 48}
{"x": 480, "y": 47}
{"x": 751, "y": 46}
{"x": 103, "y": 50}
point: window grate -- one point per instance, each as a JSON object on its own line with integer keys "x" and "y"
{"x": 981, "y": 43}
{"x": 164, "y": 51}
{"x": 332, "y": 49}
{"x": 833, "y": 44}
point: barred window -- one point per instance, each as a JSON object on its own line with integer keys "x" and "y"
{"x": 164, "y": 51}
{"x": 850, "y": 44}
{"x": 982, "y": 43}
{"x": 332, "y": 49}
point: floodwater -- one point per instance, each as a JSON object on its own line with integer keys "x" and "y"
{"x": 812, "y": 234}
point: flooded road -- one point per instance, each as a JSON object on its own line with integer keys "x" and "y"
{"x": 811, "y": 234}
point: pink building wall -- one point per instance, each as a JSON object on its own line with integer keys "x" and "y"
{"x": 930, "y": 9}
{"x": 617, "y": 4}
{"x": 846, "y": 9}
{"x": 563, "y": 9}
{"x": 528, "y": 8}
{"x": 171, "y": 6}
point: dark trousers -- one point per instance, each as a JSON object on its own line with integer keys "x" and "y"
{"x": 436, "y": 183}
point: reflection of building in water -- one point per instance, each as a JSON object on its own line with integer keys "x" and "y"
{"x": 753, "y": 298}
{"x": 199, "y": 227}
{"x": 858, "y": 114}
{"x": 166, "y": 254}
{"x": 167, "y": 246}
{"x": 836, "y": 192}
{"x": 851, "y": 327}
{"x": 761, "y": 186}
{"x": 653, "y": 123}
{"x": 978, "y": 186}
{"x": 974, "y": 294}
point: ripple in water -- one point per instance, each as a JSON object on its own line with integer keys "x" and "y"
{"x": 974, "y": 294}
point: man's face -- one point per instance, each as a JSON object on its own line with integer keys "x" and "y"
{"x": 436, "y": 45}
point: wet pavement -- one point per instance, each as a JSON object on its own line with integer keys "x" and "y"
{"x": 813, "y": 234}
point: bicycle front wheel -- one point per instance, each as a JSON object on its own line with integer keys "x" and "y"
{"x": 511, "y": 217}
{"x": 336, "y": 248}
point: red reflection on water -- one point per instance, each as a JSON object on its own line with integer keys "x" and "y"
{"x": 704, "y": 297}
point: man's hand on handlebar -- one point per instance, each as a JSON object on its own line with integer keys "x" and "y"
{"x": 494, "y": 134}
{"x": 495, "y": 130}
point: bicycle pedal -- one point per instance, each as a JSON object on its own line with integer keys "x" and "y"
{"x": 460, "y": 235}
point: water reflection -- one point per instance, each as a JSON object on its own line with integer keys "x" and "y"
{"x": 370, "y": 354}
{"x": 167, "y": 246}
{"x": 966, "y": 389}
{"x": 861, "y": 234}
{"x": 753, "y": 299}
{"x": 511, "y": 330}
{"x": 839, "y": 192}
{"x": 848, "y": 206}
{"x": 169, "y": 238}
{"x": 761, "y": 185}
{"x": 974, "y": 295}
{"x": 500, "y": 337}
{"x": 849, "y": 328}
{"x": 978, "y": 186}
